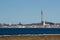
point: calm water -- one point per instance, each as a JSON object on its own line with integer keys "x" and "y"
{"x": 13, "y": 31}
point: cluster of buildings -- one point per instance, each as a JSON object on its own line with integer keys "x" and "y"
{"x": 42, "y": 24}
{"x": 32, "y": 25}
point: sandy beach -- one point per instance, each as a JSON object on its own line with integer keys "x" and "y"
{"x": 40, "y": 37}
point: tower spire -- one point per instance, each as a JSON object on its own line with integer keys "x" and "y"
{"x": 41, "y": 16}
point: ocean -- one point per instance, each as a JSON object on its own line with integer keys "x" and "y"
{"x": 16, "y": 31}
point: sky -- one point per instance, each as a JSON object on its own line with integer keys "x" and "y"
{"x": 28, "y": 11}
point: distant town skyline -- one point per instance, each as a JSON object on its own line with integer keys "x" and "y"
{"x": 28, "y": 11}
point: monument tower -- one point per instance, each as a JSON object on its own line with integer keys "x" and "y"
{"x": 42, "y": 17}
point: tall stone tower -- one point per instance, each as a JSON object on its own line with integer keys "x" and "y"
{"x": 42, "y": 17}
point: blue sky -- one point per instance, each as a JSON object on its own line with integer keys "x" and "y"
{"x": 28, "y": 11}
